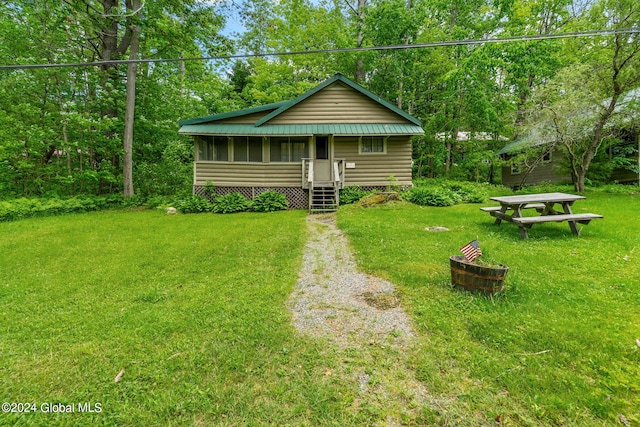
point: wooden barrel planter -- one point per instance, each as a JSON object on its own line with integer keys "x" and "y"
{"x": 476, "y": 277}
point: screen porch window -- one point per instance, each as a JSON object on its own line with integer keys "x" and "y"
{"x": 288, "y": 148}
{"x": 372, "y": 144}
{"x": 247, "y": 149}
{"x": 213, "y": 148}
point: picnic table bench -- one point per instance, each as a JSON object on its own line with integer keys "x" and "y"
{"x": 544, "y": 204}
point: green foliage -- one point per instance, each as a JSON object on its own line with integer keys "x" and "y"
{"x": 430, "y": 196}
{"x": 468, "y": 192}
{"x": 61, "y": 129}
{"x": 12, "y": 210}
{"x": 231, "y": 203}
{"x": 446, "y": 193}
{"x": 194, "y": 204}
{"x": 171, "y": 174}
{"x": 270, "y": 201}
{"x": 159, "y": 201}
{"x": 352, "y": 194}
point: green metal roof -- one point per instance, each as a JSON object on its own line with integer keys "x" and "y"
{"x": 232, "y": 114}
{"x": 521, "y": 144}
{"x": 321, "y": 129}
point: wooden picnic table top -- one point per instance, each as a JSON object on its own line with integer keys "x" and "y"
{"x": 537, "y": 198}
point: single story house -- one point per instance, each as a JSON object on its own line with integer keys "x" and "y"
{"x": 549, "y": 163}
{"x": 335, "y": 135}
{"x": 546, "y": 166}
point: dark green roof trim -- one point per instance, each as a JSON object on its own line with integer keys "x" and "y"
{"x": 351, "y": 84}
{"x": 231, "y": 114}
{"x": 519, "y": 145}
{"x": 289, "y": 130}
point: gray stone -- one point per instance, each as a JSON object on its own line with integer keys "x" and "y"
{"x": 171, "y": 211}
{"x": 437, "y": 228}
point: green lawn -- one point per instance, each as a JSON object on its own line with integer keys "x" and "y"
{"x": 193, "y": 308}
{"x": 557, "y": 347}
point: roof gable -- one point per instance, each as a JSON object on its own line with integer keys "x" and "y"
{"x": 336, "y": 106}
{"x": 337, "y": 78}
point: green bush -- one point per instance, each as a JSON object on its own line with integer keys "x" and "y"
{"x": 194, "y": 204}
{"x": 352, "y": 194}
{"x": 270, "y": 201}
{"x": 428, "y": 196}
{"x": 231, "y": 203}
{"x": 159, "y": 201}
{"x": 467, "y": 191}
{"x": 12, "y": 210}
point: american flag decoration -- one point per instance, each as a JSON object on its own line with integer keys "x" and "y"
{"x": 471, "y": 250}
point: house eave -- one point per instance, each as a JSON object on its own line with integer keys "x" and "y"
{"x": 302, "y": 130}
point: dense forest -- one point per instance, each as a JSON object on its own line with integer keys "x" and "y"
{"x": 108, "y": 124}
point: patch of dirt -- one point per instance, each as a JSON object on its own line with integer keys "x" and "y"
{"x": 381, "y": 300}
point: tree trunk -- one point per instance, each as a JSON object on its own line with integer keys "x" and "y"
{"x": 360, "y": 73}
{"x": 578, "y": 182}
{"x": 130, "y": 105}
{"x": 108, "y": 34}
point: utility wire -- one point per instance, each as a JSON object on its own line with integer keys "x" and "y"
{"x": 577, "y": 34}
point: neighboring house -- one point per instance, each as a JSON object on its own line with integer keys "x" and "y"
{"x": 547, "y": 166}
{"x": 550, "y": 164}
{"x": 334, "y": 135}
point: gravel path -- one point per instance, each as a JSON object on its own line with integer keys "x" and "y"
{"x": 361, "y": 315}
{"x": 333, "y": 299}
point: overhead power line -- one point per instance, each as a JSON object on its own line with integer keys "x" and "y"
{"x": 577, "y": 34}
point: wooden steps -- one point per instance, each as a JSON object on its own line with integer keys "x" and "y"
{"x": 323, "y": 197}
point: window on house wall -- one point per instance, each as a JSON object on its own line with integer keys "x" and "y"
{"x": 213, "y": 148}
{"x": 546, "y": 157}
{"x": 288, "y": 148}
{"x": 247, "y": 149}
{"x": 372, "y": 144}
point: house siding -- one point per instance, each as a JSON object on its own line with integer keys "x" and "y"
{"x": 337, "y": 103}
{"x": 624, "y": 176}
{"x": 249, "y": 174}
{"x": 545, "y": 172}
{"x": 374, "y": 169}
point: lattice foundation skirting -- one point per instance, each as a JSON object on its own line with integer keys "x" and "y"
{"x": 297, "y": 197}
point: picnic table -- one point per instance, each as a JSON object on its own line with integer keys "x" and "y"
{"x": 511, "y": 208}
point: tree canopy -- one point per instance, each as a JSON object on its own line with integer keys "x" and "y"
{"x": 62, "y": 129}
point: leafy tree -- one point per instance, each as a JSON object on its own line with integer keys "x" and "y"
{"x": 66, "y": 126}
{"x": 582, "y": 101}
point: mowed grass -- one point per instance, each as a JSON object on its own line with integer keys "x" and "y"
{"x": 557, "y": 347}
{"x": 192, "y": 307}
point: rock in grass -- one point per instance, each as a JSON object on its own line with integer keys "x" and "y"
{"x": 437, "y": 228}
{"x": 119, "y": 376}
{"x": 378, "y": 199}
{"x": 171, "y": 211}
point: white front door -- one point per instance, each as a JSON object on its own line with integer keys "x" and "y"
{"x": 322, "y": 159}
